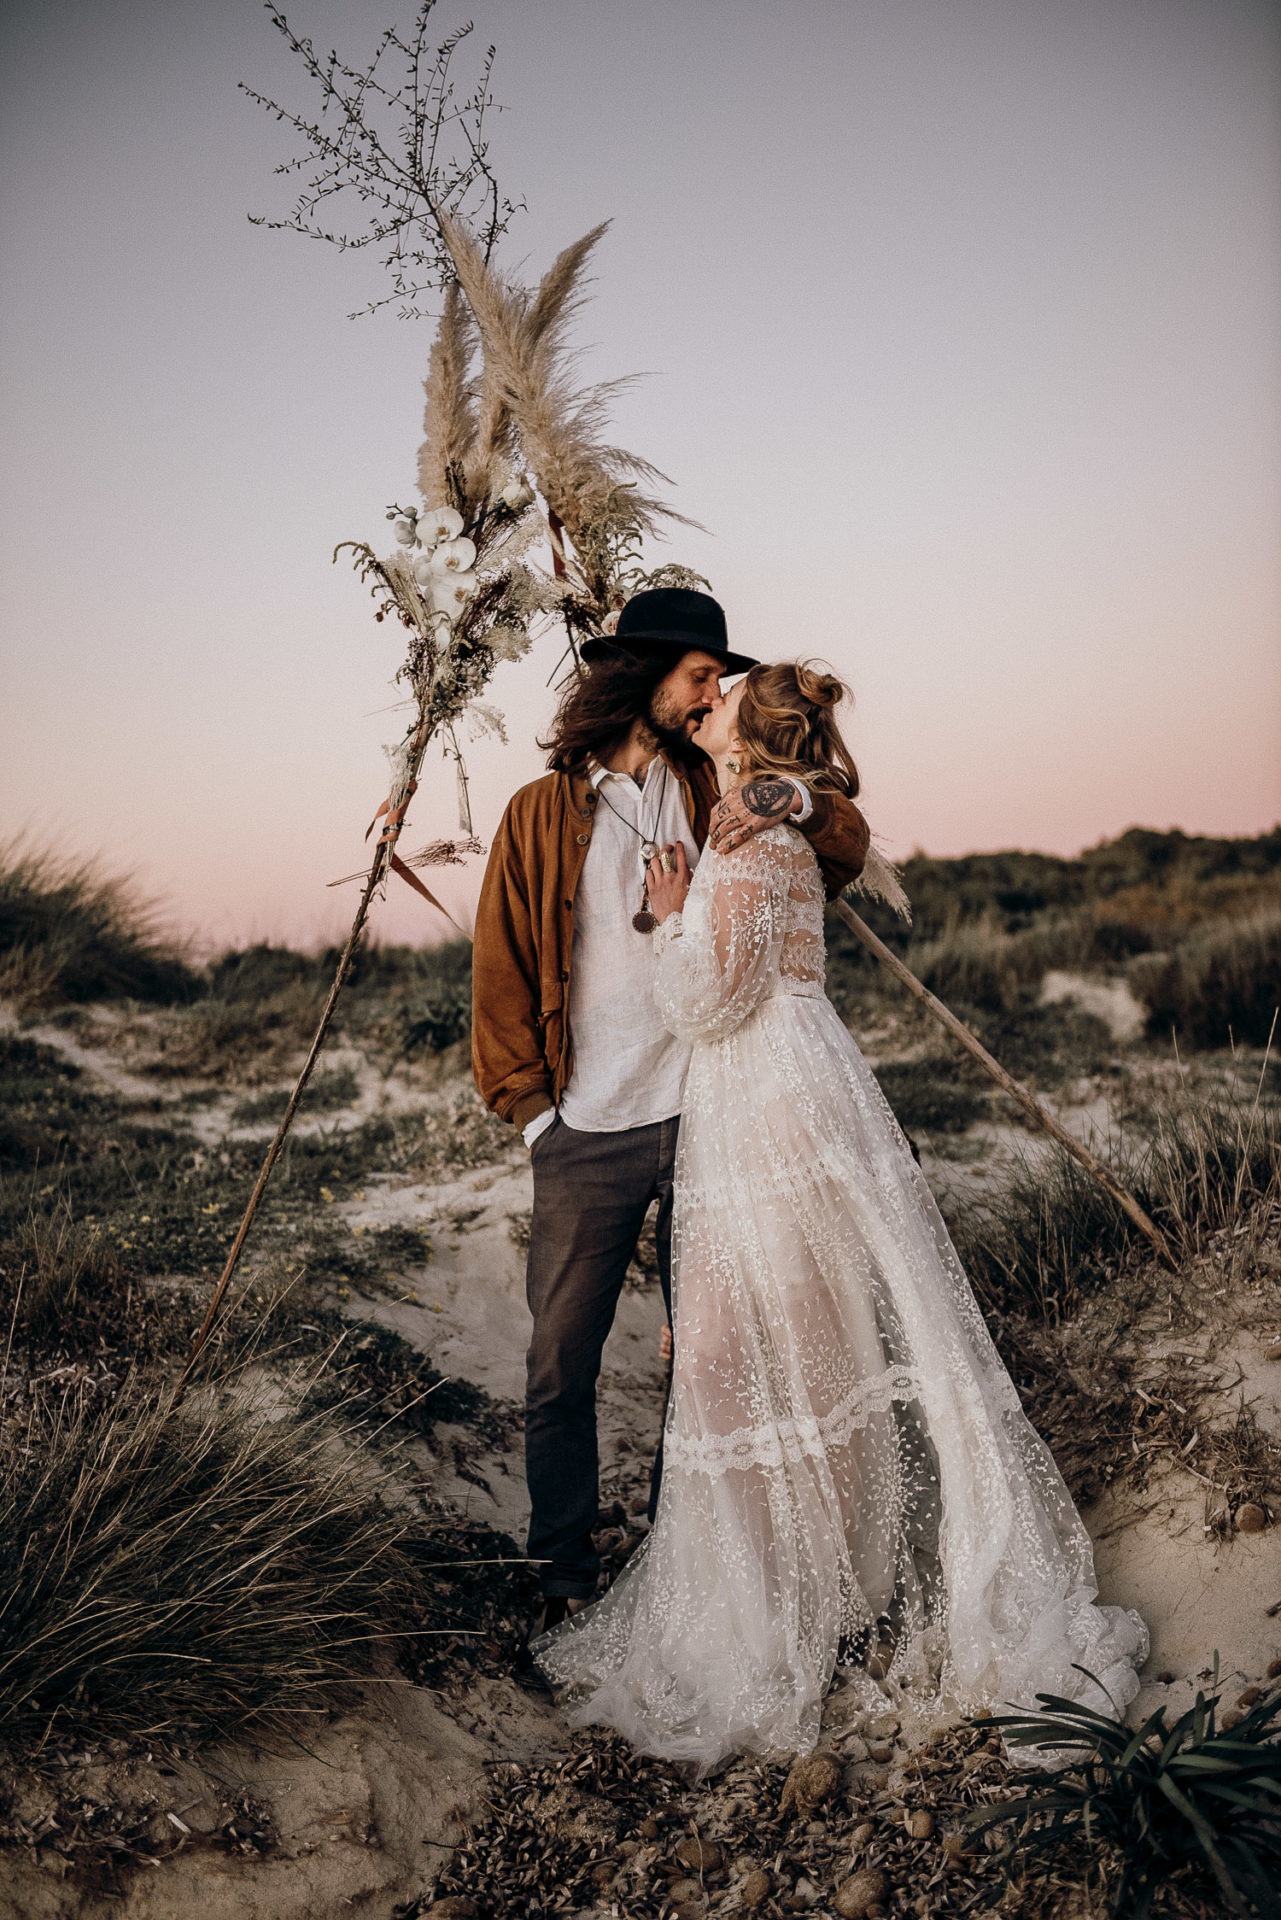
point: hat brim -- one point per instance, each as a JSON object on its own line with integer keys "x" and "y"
{"x": 646, "y": 645}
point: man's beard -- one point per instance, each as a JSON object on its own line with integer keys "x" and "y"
{"x": 672, "y": 738}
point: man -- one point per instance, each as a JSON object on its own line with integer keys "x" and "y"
{"x": 567, "y": 1043}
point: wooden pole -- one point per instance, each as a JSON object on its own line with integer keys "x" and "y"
{"x": 378, "y": 871}
{"x": 1007, "y": 1083}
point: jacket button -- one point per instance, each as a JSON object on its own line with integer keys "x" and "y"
{"x": 592, "y": 798}
{"x": 583, "y": 838}
{"x": 569, "y": 906}
{"x": 564, "y": 973}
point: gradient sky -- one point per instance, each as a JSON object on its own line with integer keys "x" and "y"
{"x": 962, "y": 318}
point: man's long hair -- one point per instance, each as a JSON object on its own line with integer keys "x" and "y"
{"x": 598, "y": 707}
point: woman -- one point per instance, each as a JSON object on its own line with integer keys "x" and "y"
{"x": 848, "y": 1472}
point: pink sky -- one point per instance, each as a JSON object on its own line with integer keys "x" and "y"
{"x": 962, "y": 317}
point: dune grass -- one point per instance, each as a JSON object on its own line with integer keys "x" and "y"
{"x": 70, "y": 931}
{"x": 1052, "y": 1235}
{"x": 187, "y": 1569}
{"x": 1221, "y": 985}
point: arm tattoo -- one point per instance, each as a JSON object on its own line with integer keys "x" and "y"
{"x": 769, "y": 799}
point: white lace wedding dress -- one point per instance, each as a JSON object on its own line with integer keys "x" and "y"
{"x": 843, "y": 1443}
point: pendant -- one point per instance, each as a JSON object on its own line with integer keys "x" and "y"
{"x": 647, "y": 852}
{"x": 644, "y": 921}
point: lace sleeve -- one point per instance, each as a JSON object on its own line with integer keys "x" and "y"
{"x": 717, "y": 960}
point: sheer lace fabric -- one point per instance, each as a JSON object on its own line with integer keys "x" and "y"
{"x": 843, "y": 1443}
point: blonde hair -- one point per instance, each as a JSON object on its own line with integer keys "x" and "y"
{"x": 786, "y": 721}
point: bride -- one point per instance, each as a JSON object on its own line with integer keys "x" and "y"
{"x": 849, "y": 1477}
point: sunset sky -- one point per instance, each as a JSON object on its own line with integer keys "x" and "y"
{"x": 961, "y": 319}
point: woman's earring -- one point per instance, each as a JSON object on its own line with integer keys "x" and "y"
{"x": 733, "y": 766}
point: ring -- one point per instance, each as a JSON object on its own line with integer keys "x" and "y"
{"x": 667, "y": 863}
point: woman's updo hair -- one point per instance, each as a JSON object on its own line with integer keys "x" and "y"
{"x": 787, "y": 723}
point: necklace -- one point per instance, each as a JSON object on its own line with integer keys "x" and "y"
{"x": 643, "y": 920}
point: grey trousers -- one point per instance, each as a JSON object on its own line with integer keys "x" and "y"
{"x": 591, "y": 1194}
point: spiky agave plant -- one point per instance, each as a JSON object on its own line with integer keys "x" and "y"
{"x": 1163, "y": 1796}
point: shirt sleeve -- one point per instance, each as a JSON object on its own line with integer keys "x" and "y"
{"x": 719, "y": 958}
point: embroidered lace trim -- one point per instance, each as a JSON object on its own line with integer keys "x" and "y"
{"x": 776, "y": 1443}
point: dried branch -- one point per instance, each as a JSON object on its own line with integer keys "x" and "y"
{"x": 405, "y": 150}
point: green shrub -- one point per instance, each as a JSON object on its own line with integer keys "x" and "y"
{"x": 1162, "y": 1797}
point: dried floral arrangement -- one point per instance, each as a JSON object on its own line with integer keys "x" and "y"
{"x": 515, "y": 455}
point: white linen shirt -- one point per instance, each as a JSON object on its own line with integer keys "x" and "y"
{"x": 629, "y": 1071}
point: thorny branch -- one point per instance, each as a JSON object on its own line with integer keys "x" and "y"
{"x": 407, "y": 149}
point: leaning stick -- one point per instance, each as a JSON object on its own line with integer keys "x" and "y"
{"x": 1032, "y": 1107}
{"x": 380, "y": 867}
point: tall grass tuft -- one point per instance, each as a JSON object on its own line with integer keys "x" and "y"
{"x": 69, "y": 932}
{"x": 187, "y": 1568}
{"x": 1052, "y": 1234}
{"x": 1163, "y": 1797}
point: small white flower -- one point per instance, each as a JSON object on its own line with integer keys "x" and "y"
{"x": 450, "y": 592}
{"x": 421, "y": 568}
{"x": 404, "y": 531}
{"x": 454, "y": 556}
{"x": 610, "y": 623}
{"x": 518, "y": 494}
{"x": 439, "y": 523}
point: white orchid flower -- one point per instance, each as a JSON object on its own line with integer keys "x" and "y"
{"x": 517, "y": 494}
{"x": 405, "y": 532}
{"x": 454, "y": 556}
{"x": 450, "y": 592}
{"x": 439, "y": 523}
{"x": 421, "y": 568}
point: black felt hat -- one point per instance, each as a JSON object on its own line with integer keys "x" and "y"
{"x": 669, "y": 620}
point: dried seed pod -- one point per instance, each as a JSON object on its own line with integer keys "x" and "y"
{"x": 1273, "y": 1670}
{"x": 862, "y": 1836}
{"x": 756, "y": 1889}
{"x": 861, "y": 1894}
{"x": 919, "y": 1823}
{"x": 813, "y": 1779}
{"x": 699, "y": 1855}
{"x": 1248, "y": 1698}
{"x": 1250, "y": 1517}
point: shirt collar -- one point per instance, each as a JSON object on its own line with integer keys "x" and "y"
{"x": 596, "y": 773}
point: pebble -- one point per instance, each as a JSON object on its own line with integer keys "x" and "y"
{"x": 700, "y": 1856}
{"x": 861, "y": 1894}
{"x": 1248, "y": 1698}
{"x": 1251, "y": 1518}
{"x": 756, "y": 1888}
{"x": 862, "y": 1836}
{"x": 685, "y": 1890}
{"x": 919, "y": 1823}
{"x": 1273, "y": 1670}
{"x": 1274, "y": 1351}
{"x": 649, "y": 1829}
{"x": 882, "y": 1751}
{"x": 1231, "y": 1720}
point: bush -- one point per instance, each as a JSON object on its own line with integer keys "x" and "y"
{"x": 69, "y": 932}
{"x": 933, "y": 1094}
{"x": 1222, "y": 984}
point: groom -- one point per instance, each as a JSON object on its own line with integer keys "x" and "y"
{"x": 567, "y": 1043}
